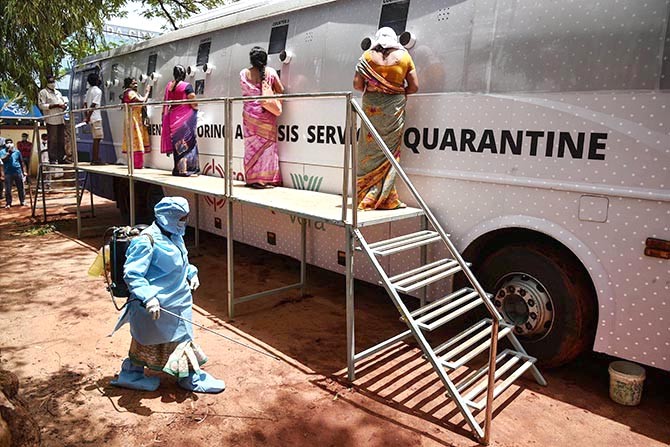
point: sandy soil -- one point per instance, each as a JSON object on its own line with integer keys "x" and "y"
{"x": 55, "y": 324}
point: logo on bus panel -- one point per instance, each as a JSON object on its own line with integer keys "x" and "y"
{"x": 214, "y": 168}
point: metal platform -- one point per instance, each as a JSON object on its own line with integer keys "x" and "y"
{"x": 306, "y": 204}
{"x": 113, "y": 170}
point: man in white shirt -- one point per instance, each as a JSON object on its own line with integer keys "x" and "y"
{"x": 94, "y": 117}
{"x": 52, "y": 105}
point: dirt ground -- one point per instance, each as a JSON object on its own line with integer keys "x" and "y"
{"x": 56, "y": 320}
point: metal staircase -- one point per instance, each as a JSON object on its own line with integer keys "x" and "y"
{"x": 53, "y": 179}
{"x": 477, "y": 390}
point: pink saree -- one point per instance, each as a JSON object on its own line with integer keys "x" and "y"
{"x": 178, "y": 133}
{"x": 261, "y": 159}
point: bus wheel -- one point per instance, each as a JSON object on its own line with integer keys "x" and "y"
{"x": 547, "y": 295}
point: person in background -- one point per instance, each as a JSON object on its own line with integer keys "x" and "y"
{"x": 26, "y": 148}
{"x": 44, "y": 158}
{"x": 12, "y": 164}
{"x": 160, "y": 278}
{"x": 2, "y": 170}
{"x": 386, "y": 75}
{"x": 52, "y": 104}
{"x": 139, "y": 132}
{"x": 178, "y": 136}
{"x": 93, "y": 117}
{"x": 261, "y": 159}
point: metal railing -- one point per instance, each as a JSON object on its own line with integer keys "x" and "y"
{"x": 349, "y": 156}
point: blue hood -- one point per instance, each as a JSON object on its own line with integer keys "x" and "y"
{"x": 168, "y": 212}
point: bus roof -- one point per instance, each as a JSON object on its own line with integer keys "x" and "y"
{"x": 224, "y": 17}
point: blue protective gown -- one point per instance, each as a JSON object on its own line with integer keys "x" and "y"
{"x": 161, "y": 271}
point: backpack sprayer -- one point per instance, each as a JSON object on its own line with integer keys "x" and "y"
{"x": 118, "y": 239}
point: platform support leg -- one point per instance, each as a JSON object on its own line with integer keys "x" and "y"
{"x": 44, "y": 197}
{"x": 131, "y": 189}
{"x": 349, "y": 286}
{"x": 197, "y": 222}
{"x": 229, "y": 257}
{"x": 303, "y": 258}
{"x": 90, "y": 191}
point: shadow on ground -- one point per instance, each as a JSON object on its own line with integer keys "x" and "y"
{"x": 311, "y": 332}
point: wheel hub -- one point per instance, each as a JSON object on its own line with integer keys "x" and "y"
{"x": 524, "y": 302}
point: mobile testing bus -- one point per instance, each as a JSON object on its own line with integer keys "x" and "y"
{"x": 540, "y": 138}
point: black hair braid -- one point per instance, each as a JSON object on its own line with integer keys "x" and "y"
{"x": 259, "y": 59}
{"x": 179, "y": 74}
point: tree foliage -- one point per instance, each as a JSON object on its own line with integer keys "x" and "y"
{"x": 38, "y": 35}
{"x": 175, "y": 10}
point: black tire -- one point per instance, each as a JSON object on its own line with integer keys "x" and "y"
{"x": 573, "y": 300}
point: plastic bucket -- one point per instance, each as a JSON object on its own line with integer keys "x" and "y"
{"x": 626, "y": 380}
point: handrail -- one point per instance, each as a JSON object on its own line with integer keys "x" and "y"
{"x": 227, "y": 119}
{"x": 422, "y": 204}
{"x": 495, "y": 322}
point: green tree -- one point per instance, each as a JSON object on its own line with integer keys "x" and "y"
{"x": 38, "y": 35}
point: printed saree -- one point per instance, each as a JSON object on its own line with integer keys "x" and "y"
{"x": 261, "y": 159}
{"x": 178, "y": 133}
{"x": 140, "y": 134}
{"x": 386, "y": 110}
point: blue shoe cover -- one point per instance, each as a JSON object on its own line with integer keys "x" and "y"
{"x": 201, "y": 383}
{"x": 133, "y": 377}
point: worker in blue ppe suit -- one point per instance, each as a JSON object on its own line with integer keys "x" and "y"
{"x": 159, "y": 275}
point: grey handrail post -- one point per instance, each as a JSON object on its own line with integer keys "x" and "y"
{"x": 228, "y": 162}
{"x": 75, "y": 161}
{"x": 354, "y": 166}
{"x": 226, "y": 173}
{"x": 129, "y": 159}
{"x": 345, "y": 164}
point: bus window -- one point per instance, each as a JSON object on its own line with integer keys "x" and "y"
{"x": 114, "y": 76}
{"x": 394, "y": 15}
{"x": 200, "y": 87}
{"x": 203, "y": 52}
{"x": 151, "y": 67}
{"x": 278, "y": 37}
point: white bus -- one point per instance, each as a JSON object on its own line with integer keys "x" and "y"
{"x": 540, "y": 139}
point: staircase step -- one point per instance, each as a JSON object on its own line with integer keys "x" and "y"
{"x": 508, "y": 360}
{"x": 404, "y": 242}
{"x": 426, "y": 274}
{"x": 445, "y": 309}
{"x": 473, "y": 341}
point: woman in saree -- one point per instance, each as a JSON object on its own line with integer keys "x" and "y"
{"x": 261, "y": 159}
{"x": 178, "y": 133}
{"x": 386, "y": 75}
{"x": 138, "y": 131}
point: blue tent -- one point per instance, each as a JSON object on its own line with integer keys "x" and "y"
{"x": 17, "y": 111}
